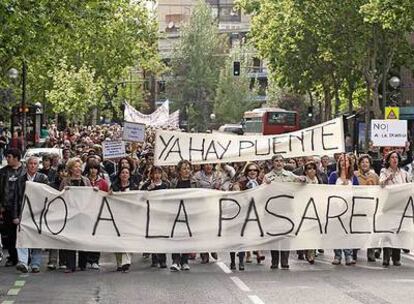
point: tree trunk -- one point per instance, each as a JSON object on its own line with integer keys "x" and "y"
{"x": 328, "y": 103}
{"x": 367, "y": 116}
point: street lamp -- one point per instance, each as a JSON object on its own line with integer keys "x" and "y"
{"x": 394, "y": 82}
{"x": 212, "y": 120}
{"x": 13, "y": 73}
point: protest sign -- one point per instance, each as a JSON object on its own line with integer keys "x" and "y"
{"x": 159, "y": 118}
{"x": 133, "y": 132}
{"x": 113, "y": 149}
{"x": 279, "y": 216}
{"x": 388, "y": 133}
{"x": 201, "y": 148}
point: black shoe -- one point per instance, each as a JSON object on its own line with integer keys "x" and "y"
{"x": 377, "y": 254}
{"x": 321, "y": 251}
{"x": 10, "y": 263}
{"x": 301, "y": 257}
{"x": 214, "y": 255}
{"x": 273, "y": 266}
{"x": 233, "y": 266}
{"x": 406, "y": 250}
{"x": 119, "y": 269}
{"x": 396, "y": 263}
{"x": 385, "y": 264}
{"x": 241, "y": 267}
{"x": 125, "y": 268}
{"x": 371, "y": 259}
{"x": 285, "y": 266}
{"x": 163, "y": 265}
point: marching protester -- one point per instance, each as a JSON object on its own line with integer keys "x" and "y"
{"x": 392, "y": 175}
{"x": 183, "y": 180}
{"x": 249, "y": 180}
{"x": 367, "y": 177}
{"x": 344, "y": 175}
{"x": 156, "y": 183}
{"x": 24, "y": 254}
{"x": 279, "y": 174}
{"x": 123, "y": 183}
{"x": 9, "y": 176}
{"x": 75, "y": 178}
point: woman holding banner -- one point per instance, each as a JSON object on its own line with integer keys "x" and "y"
{"x": 249, "y": 180}
{"x": 209, "y": 179}
{"x": 156, "y": 183}
{"x": 123, "y": 183}
{"x": 75, "y": 179}
{"x": 367, "y": 177}
{"x": 392, "y": 175}
{"x": 180, "y": 260}
{"x": 344, "y": 175}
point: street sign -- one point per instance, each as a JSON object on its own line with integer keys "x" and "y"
{"x": 392, "y": 113}
{"x": 388, "y": 133}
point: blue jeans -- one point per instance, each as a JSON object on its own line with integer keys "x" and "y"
{"x": 35, "y": 255}
{"x": 338, "y": 253}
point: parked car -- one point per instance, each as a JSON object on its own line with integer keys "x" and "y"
{"x": 232, "y": 128}
{"x": 39, "y": 152}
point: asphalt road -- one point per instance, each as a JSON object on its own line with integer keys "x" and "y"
{"x": 214, "y": 283}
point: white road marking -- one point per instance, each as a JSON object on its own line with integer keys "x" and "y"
{"x": 239, "y": 283}
{"x": 255, "y": 299}
{"x": 408, "y": 256}
{"x": 224, "y": 267}
{"x": 13, "y": 291}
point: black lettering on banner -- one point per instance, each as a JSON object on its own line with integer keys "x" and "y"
{"x": 304, "y": 217}
{"x": 166, "y": 144}
{"x": 224, "y": 148}
{"x": 191, "y": 149}
{"x": 177, "y": 220}
{"x": 278, "y": 215}
{"x": 178, "y": 151}
{"x": 354, "y": 200}
{"x": 326, "y": 135}
{"x": 147, "y": 227}
{"x": 64, "y": 219}
{"x": 312, "y": 138}
{"x": 375, "y": 220}
{"x": 211, "y": 150}
{"x": 300, "y": 138}
{"x": 268, "y": 148}
{"x": 275, "y": 142}
{"x": 338, "y": 216}
{"x": 99, "y": 218}
{"x": 248, "y": 146}
{"x": 29, "y": 204}
{"x": 252, "y": 206}
{"x": 409, "y": 203}
{"x": 221, "y": 218}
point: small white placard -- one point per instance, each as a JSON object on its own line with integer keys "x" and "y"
{"x": 388, "y": 133}
{"x": 133, "y": 131}
{"x": 113, "y": 149}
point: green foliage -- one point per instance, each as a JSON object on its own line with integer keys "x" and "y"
{"x": 195, "y": 67}
{"x": 74, "y": 91}
{"x": 333, "y": 47}
{"x": 108, "y": 36}
{"x": 233, "y": 95}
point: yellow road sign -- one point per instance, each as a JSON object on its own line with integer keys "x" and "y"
{"x": 392, "y": 113}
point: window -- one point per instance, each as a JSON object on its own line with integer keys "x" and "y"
{"x": 228, "y": 13}
{"x": 281, "y": 118}
{"x": 253, "y": 125}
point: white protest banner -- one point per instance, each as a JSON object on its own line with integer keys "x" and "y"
{"x": 201, "y": 148}
{"x": 160, "y": 117}
{"x": 113, "y": 149}
{"x": 388, "y": 133}
{"x": 284, "y": 216}
{"x": 133, "y": 131}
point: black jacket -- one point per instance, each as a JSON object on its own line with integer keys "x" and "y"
{"x": 8, "y": 184}
{"x": 20, "y": 189}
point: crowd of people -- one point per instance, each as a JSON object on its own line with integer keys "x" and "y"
{"x": 82, "y": 164}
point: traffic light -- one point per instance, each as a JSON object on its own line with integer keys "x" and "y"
{"x": 310, "y": 111}
{"x": 236, "y": 68}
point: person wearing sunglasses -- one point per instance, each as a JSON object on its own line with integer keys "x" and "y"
{"x": 249, "y": 180}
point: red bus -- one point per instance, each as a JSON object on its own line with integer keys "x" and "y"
{"x": 268, "y": 121}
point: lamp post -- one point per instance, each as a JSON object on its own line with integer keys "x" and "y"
{"x": 212, "y": 120}
{"x": 395, "y": 83}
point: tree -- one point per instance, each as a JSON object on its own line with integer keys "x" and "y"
{"x": 110, "y": 36}
{"x": 234, "y": 95}
{"x": 75, "y": 91}
{"x": 195, "y": 67}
